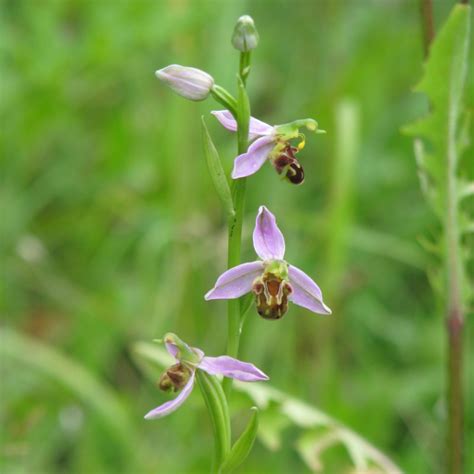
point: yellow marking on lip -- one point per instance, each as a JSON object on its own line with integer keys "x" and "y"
{"x": 302, "y": 143}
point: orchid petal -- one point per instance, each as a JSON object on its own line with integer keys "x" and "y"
{"x": 236, "y": 281}
{"x": 268, "y": 240}
{"x": 172, "y": 349}
{"x": 305, "y": 292}
{"x": 250, "y": 162}
{"x": 172, "y": 405}
{"x": 257, "y": 128}
{"x": 233, "y": 368}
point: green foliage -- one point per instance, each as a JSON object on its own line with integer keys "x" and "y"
{"x": 444, "y": 83}
{"x": 442, "y": 138}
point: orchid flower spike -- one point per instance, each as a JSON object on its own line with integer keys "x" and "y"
{"x": 272, "y": 280}
{"x": 272, "y": 143}
{"x": 181, "y": 376}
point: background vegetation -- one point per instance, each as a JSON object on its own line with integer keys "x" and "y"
{"x": 111, "y": 232}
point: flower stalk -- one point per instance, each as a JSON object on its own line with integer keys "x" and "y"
{"x": 225, "y": 98}
{"x": 235, "y": 222}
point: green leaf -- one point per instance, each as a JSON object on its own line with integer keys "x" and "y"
{"x": 466, "y": 189}
{"x": 464, "y": 137}
{"x": 424, "y": 175}
{"x": 217, "y": 172}
{"x": 444, "y": 78}
{"x": 311, "y": 445}
{"x": 242, "y": 447}
{"x": 271, "y": 425}
{"x": 443, "y": 82}
{"x": 441, "y": 137}
{"x": 216, "y": 403}
{"x": 313, "y": 420}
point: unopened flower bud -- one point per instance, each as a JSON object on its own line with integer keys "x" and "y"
{"x": 189, "y": 82}
{"x": 245, "y": 37}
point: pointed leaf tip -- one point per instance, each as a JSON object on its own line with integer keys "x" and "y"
{"x": 242, "y": 447}
{"x": 216, "y": 171}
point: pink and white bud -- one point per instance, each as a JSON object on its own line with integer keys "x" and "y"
{"x": 188, "y": 82}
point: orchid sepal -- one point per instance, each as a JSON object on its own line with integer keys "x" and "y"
{"x": 292, "y": 129}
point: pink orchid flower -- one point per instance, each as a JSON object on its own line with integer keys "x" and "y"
{"x": 182, "y": 375}
{"x": 273, "y": 281}
{"x": 269, "y": 143}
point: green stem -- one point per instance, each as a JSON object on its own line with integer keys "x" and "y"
{"x": 427, "y": 23}
{"x": 454, "y": 308}
{"x": 235, "y": 223}
{"x": 217, "y": 406}
{"x": 233, "y": 259}
{"x": 244, "y": 66}
{"x": 225, "y": 98}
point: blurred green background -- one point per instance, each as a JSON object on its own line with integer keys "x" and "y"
{"x": 111, "y": 231}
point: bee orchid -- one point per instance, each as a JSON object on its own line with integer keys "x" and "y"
{"x": 182, "y": 375}
{"x": 271, "y": 143}
{"x": 273, "y": 281}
